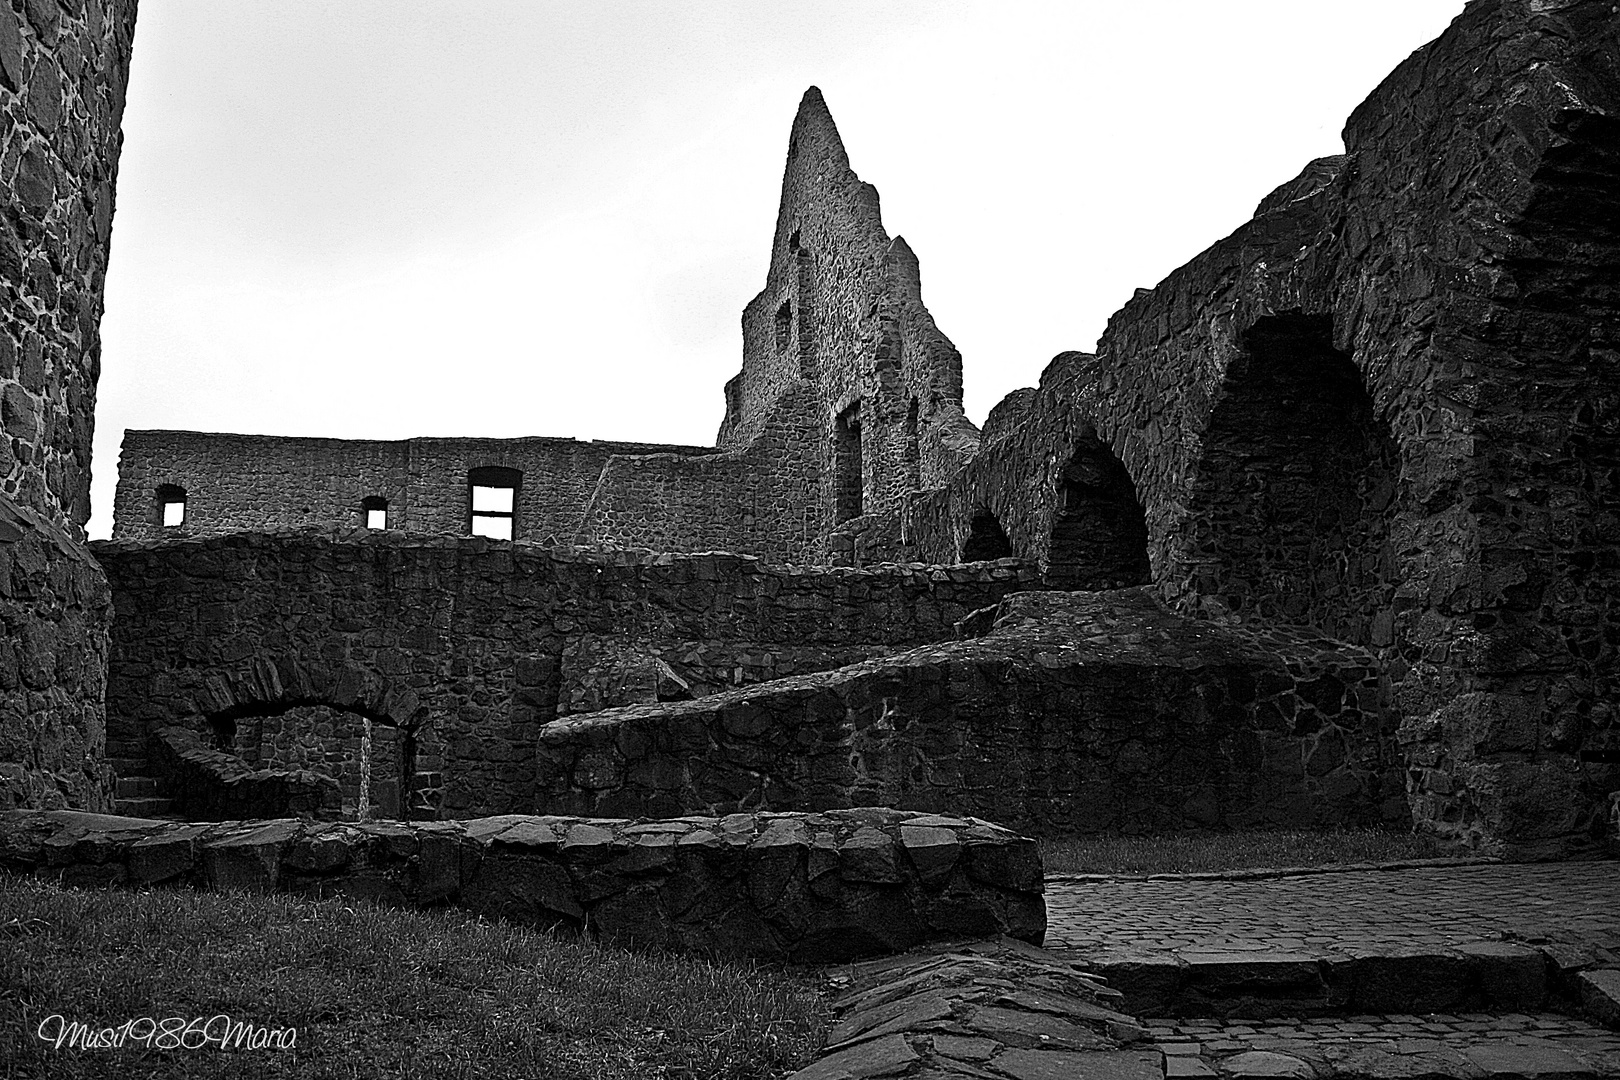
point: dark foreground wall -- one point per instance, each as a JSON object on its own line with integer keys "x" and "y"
{"x": 467, "y": 647}
{"x": 1076, "y": 713}
{"x": 63, "y": 64}
{"x": 812, "y": 888}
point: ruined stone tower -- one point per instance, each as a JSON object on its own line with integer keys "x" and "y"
{"x": 63, "y": 67}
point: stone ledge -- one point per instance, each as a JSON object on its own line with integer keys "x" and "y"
{"x": 806, "y": 887}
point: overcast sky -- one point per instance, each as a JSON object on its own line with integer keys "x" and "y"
{"x": 386, "y": 218}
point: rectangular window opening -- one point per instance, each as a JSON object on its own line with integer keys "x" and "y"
{"x": 174, "y": 513}
{"x": 492, "y": 502}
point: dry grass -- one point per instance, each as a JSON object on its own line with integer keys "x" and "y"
{"x": 376, "y": 992}
{"x": 1187, "y": 853}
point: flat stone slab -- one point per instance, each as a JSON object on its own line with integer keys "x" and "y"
{"x": 807, "y": 887}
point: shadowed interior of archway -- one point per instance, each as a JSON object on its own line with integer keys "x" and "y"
{"x": 372, "y": 758}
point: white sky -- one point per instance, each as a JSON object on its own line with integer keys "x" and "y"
{"x": 386, "y": 218}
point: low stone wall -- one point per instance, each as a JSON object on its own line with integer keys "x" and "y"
{"x": 811, "y": 888}
{"x": 55, "y": 610}
{"x": 1076, "y": 713}
{"x": 466, "y": 646}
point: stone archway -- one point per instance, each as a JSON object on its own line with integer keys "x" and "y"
{"x": 1099, "y": 533}
{"x": 1288, "y": 516}
{"x": 986, "y": 538}
{"x": 334, "y": 718}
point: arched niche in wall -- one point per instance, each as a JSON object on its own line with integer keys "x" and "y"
{"x": 372, "y": 759}
{"x": 1290, "y": 504}
{"x": 986, "y": 538}
{"x": 1099, "y": 533}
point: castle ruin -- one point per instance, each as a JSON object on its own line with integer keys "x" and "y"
{"x": 1326, "y": 531}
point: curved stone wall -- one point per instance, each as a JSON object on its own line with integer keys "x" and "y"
{"x": 811, "y": 888}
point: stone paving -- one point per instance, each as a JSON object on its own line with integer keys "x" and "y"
{"x": 1403, "y": 938}
{"x": 1575, "y": 903}
{"x": 1435, "y": 1044}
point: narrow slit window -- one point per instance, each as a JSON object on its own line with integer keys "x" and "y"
{"x": 172, "y": 499}
{"x": 374, "y": 509}
{"x": 784, "y": 326}
{"x": 492, "y": 502}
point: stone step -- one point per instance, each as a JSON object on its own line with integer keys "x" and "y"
{"x": 128, "y": 766}
{"x": 1473, "y": 1045}
{"x": 149, "y": 807}
{"x": 135, "y": 787}
{"x": 1265, "y": 983}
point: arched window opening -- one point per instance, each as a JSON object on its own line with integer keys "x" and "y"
{"x": 492, "y": 502}
{"x": 986, "y": 539}
{"x": 1289, "y": 509}
{"x": 374, "y": 511}
{"x": 171, "y": 499}
{"x": 1099, "y": 533}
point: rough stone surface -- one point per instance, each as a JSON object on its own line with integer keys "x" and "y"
{"x": 1076, "y": 713}
{"x": 1399, "y": 1046}
{"x": 1599, "y": 993}
{"x": 62, "y": 73}
{"x": 462, "y": 649}
{"x": 767, "y": 886}
{"x": 997, "y": 1008}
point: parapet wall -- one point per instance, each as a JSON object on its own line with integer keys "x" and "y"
{"x": 470, "y": 646}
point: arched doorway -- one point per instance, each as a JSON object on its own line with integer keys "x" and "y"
{"x": 1288, "y": 516}
{"x": 986, "y": 538}
{"x": 1099, "y": 533}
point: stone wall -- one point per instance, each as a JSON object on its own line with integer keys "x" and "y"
{"x": 56, "y": 610}
{"x": 1385, "y": 409}
{"x": 811, "y": 888}
{"x": 467, "y": 647}
{"x": 1075, "y": 713}
{"x": 263, "y": 482}
{"x": 759, "y": 499}
{"x": 63, "y": 67}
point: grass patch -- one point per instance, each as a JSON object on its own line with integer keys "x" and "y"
{"x": 377, "y": 992}
{"x": 1190, "y": 853}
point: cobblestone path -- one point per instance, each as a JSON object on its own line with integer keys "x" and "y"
{"x": 1427, "y": 907}
{"x": 1432, "y": 1045}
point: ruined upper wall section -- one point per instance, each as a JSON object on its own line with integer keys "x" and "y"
{"x": 842, "y": 311}
{"x": 263, "y": 482}
{"x": 63, "y": 67}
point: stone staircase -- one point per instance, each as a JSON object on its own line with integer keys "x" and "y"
{"x": 135, "y": 790}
